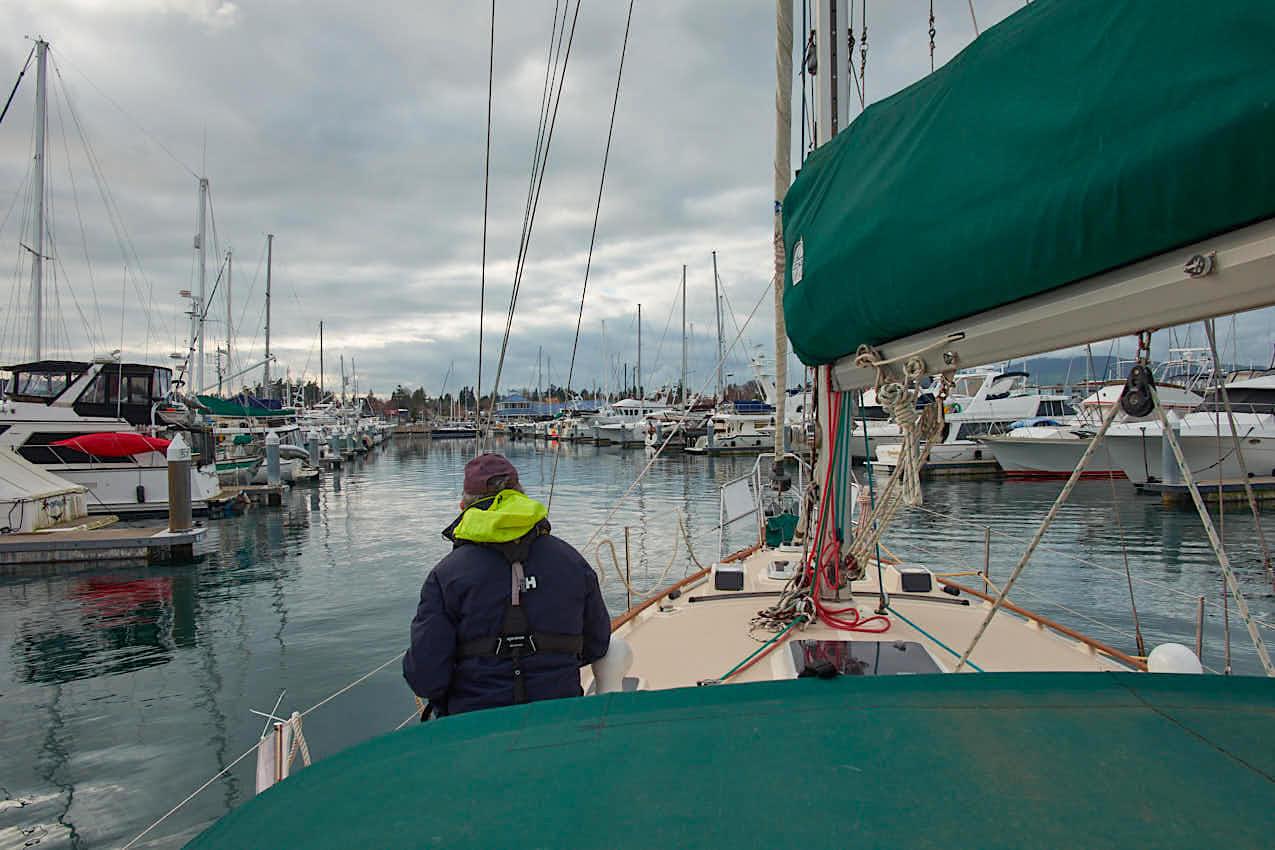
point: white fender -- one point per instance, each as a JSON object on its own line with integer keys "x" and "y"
{"x": 609, "y": 670}
{"x": 1173, "y": 658}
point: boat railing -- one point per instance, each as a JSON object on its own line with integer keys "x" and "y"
{"x": 742, "y": 497}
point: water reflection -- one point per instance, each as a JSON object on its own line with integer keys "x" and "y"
{"x": 105, "y": 626}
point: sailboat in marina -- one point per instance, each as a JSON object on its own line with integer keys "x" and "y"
{"x": 91, "y": 422}
{"x": 813, "y": 688}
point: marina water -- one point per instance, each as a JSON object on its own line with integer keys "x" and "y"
{"x": 121, "y": 691}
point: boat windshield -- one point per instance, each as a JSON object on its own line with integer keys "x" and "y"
{"x": 44, "y": 385}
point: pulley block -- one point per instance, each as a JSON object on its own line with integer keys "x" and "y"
{"x": 1137, "y": 400}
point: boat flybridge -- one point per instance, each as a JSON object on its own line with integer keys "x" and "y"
{"x": 812, "y": 688}
{"x": 51, "y": 406}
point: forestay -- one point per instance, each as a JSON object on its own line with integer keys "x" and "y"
{"x": 1072, "y": 139}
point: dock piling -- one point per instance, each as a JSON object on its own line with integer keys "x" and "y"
{"x": 274, "y": 475}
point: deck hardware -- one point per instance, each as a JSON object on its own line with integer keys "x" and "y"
{"x": 1200, "y": 264}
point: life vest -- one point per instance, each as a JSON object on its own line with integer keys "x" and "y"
{"x": 517, "y": 639}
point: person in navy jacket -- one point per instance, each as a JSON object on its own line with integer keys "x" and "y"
{"x": 512, "y": 613}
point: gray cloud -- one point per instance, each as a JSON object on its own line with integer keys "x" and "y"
{"x": 355, "y": 134}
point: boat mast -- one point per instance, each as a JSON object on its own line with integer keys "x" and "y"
{"x": 638, "y": 375}
{"x": 229, "y": 323}
{"x": 269, "y": 263}
{"x": 832, "y": 112}
{"x": 682, "y": 388}
{"x": 717, "y": 307}
{"x": 606, "y": 376}
{"x": 320, "y": 360}
{"x": 37, "y": 252}
{"x": 783, "y": 166}
{"x": 342, "y": 382}
{"x": 203, "y": 278}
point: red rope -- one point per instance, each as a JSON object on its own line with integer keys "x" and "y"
{"x": 826, "y": 553}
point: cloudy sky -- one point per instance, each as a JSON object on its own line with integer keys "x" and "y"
{"x": 355, "y": 134}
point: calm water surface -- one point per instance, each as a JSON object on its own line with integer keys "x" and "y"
{"x": 123, "y": 691}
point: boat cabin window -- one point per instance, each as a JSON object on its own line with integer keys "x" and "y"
{"x": 969, "y": 430}
{"x": 110, "y": 387}
{"x": 43, "y": 385}
{"x": 968, "y": 385}
{"x": 1054, "y": 407}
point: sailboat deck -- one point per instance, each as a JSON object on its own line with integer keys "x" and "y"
{"x": 704, "y": 633}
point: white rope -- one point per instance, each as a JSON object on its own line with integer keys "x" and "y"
{"x": 350, "y": 686}
{"x": 1040, "y": 533}
{"x": 1194, "y": 597}
{"x": 298, "y": 741}
{"x": 1239, "y": 456}
{"x": 305, "y": 750}
{"x": 1241, "y": 603}
{"x": 193, "y": 794}
{"x": 903, "y": 488}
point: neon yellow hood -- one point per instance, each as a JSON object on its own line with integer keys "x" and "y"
{"x": 510, "y": 515}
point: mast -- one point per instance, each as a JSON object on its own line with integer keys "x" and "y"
{"x": 606, "y": 377}
{"x": 37, "y": 252}
{"x": 343, "y": 382}
{"x": 717, "y": 307}
{"x": 783, "y": 165}
{"x": 540, "y": 350}
{"x": 683, "y": 386}
{"x": 320, "y": 360}
{"x": 269, "y": 263}
{"x": 229, "y": 322}
{"x": 638, "y": 375}
{"x": 203, "y": 277}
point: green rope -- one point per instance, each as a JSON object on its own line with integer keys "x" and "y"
{"x": 872, "y": 503}
{"x": 801, "y": 618}
{"x": 895, "y": 612}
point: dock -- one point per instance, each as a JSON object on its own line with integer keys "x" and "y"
{"x": 42, "y": 552}
{"x": 1231, "y": 493}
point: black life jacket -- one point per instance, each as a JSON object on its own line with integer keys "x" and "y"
{"x": 517, "y": 639}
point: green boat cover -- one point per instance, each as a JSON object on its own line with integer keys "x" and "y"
{"x": 1072, "y": 138}
{"x": 222, "y": 407}
{"x": 941, "y": 761}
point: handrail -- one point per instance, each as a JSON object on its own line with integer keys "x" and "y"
{"x": 690, "y": 579}
{"x": 1132, "y": 661}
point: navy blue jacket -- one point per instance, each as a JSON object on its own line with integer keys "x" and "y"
{"x": 464, "y": 599}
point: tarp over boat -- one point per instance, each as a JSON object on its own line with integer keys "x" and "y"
{"x": 110, "y": 444}
{"x": 982, "y": 760}
{"x": 243, "y": 405}
{"x": 1072, "y": 138}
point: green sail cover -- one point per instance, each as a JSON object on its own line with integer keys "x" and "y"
{"x": 1074, "y": 137}
{"x": 221, "y": 407}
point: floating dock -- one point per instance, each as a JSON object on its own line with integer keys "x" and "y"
{"x": 1231, "y": 493}
{"x": 40, "y": 552}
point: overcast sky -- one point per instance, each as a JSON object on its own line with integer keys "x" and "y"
{"x": 355, "y": 134}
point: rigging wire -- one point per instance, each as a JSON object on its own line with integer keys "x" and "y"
{"x": 482, "y": 286}
{"x": 16, "y": 83}
{"x": 130, "y": 117}
{"x": 75, "y": 199}
{"x": 531, "y": 218}
{"x": 712, "y": 375}
{"x": 593, "y": 235}
{"x": 114, "y": 217}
